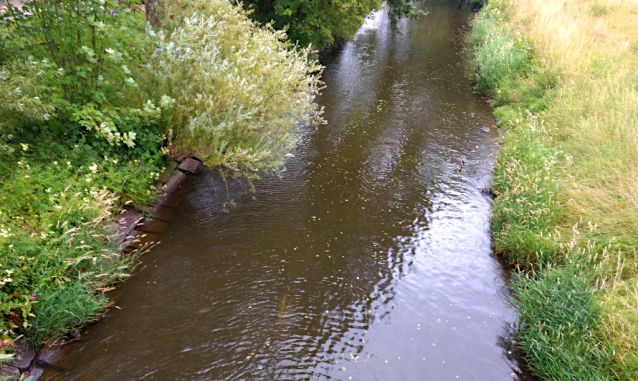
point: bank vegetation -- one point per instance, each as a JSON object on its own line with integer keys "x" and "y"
{"x": 563, "y": 78}
{"x": 93, "y": 101}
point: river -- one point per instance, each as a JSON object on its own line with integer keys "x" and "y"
{"x": 369, "y": 258}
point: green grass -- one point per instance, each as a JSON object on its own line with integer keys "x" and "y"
{"x": 526, "y": 209}
{"x": 58, "y": 199}
{"x": 560, "y": 321}
{"x": 564, "y": 213}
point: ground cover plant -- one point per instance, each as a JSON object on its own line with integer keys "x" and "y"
{"x": 93, "y": 101}
{"x": 563, "y": 81}
{"x": 78, "y": 140}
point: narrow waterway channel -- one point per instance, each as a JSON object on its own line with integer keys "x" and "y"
{"x": 369, "y": 259}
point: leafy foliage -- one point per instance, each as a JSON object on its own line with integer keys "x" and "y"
{"x": 79, "y": 139}
{"x": 89, "y": 97}
{"x": 398, "y": 9}
{"x": 324, "y": 23}
{"x": 239, "y": 92}
{"x": 320, "y": 23}
{"x": 23, "y": 84}
{"x": 88, "y": 54}
{"x": 56, "y": 243}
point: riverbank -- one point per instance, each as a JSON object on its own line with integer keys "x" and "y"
{"x": 87, "y": 124}
{"x": 565, "y": 89}
{"x": 60, "y": 249}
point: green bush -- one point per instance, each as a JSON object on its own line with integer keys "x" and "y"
{"x": 89, "y": 99}
{"x": 24, "y": 84}
{"x": 88, "y": 54}
{"x": 238, "y": 92}
{"x": 326, "y": 23}
{"x": 79, "y": 139}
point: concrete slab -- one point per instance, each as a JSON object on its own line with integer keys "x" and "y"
{"x": 163, "y": 213}
{"x": 172, "y": 186}
{"x": 153, "y": 226}
{"x": 24, "y": 356}
{"x": 9, "y": 371}
{"x": 126, "y": 222}
{"x": 190, "y": 165}
{"x": 168, "y": 200}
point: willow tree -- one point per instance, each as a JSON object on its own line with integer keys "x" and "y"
{"x": 239, "y": 91}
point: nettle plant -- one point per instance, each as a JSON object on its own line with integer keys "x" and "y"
{"x": 91, "y": 52}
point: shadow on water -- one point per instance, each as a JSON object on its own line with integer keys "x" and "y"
{"x": 369, "y": 259}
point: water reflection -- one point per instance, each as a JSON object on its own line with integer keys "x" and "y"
{"x": 369, "y": 259}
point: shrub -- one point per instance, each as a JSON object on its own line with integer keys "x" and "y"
{"x": 56, "y": 245}
{"x": 24, "y": 85}
{"x": 240, "y": 92}
{"x": 88, "y": 54}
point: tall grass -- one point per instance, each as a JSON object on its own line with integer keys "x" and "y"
{"x": 560, "y": 319}
{"x": 563, "y": 76}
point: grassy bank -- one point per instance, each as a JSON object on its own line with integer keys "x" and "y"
{"x": 565, "y": 87}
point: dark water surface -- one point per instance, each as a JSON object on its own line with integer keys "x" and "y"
{"x": 369, "y": 259}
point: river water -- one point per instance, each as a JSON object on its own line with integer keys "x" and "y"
{"x": 369, "y": 259}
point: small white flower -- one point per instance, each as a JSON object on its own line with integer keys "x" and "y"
{"x": 166, "y": 101}
{"x": 93, "y": 168}
{"x": 24, "y": 146}
{"x": 48, "y": 190}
